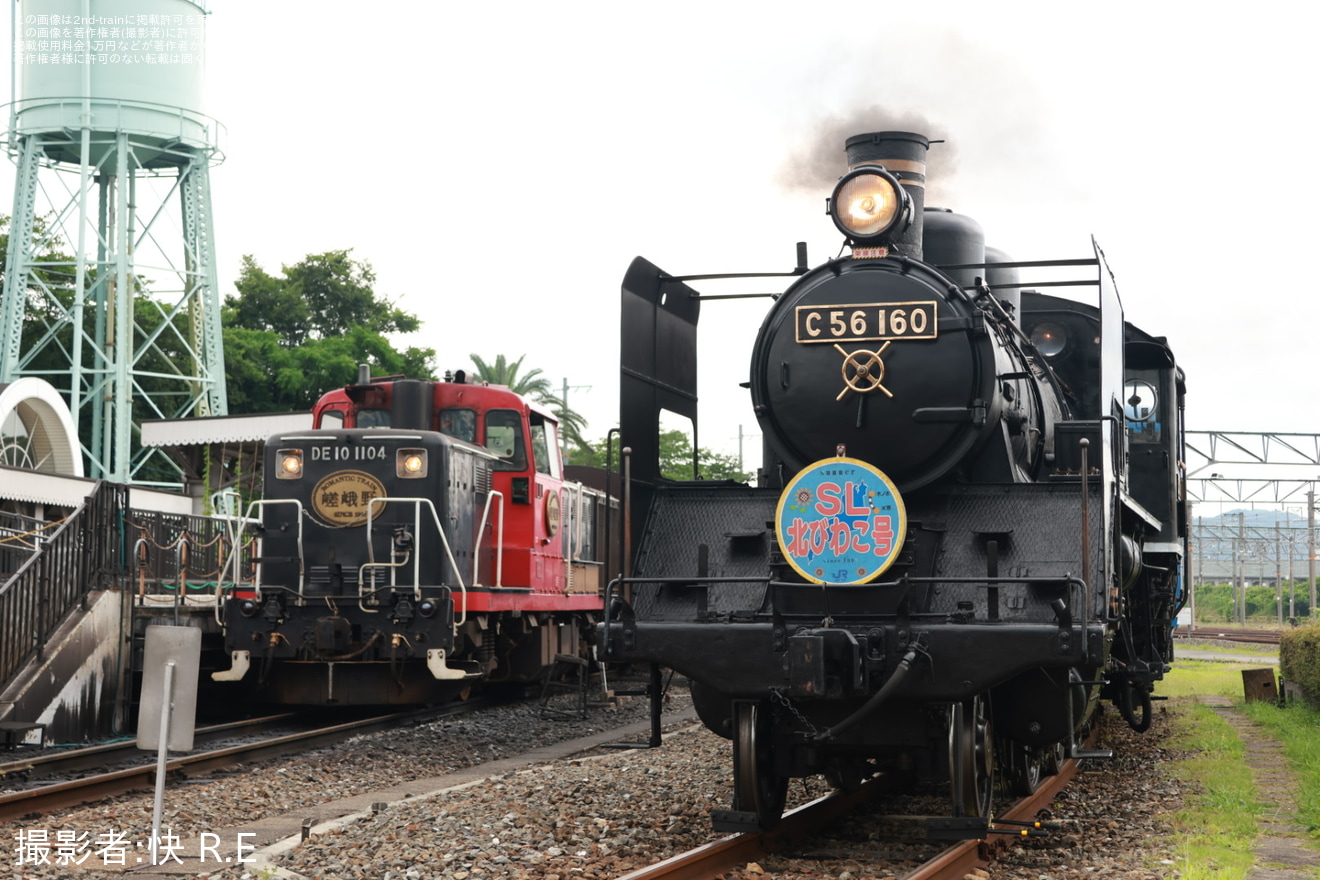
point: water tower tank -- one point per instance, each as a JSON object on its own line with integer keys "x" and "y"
{"x": 133, "y": 66}
{"x": 113, "y": 155}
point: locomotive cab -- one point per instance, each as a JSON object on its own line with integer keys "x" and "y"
{"x": 526, "y": 468}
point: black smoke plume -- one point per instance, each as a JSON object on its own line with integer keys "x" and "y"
{"x": 820, "y": 162}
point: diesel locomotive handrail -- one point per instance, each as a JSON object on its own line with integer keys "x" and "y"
{"x": 234, "y": 528}
{"x": 417, "y": 560}
{"x": 302, "y": 574}
{"x": 499, "y": 544}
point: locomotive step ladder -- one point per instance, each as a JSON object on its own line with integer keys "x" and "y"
{"x": 569, "y": 677}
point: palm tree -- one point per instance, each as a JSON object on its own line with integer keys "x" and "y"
{"x": 535, "y": 386}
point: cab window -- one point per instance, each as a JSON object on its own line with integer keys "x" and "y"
{"x": 543, "y": 446}
{"x": 373, "y": 418}
{"x": 505, "y": 439}
{"x": 331, "y": 419}
{"x": 460, "y": 423}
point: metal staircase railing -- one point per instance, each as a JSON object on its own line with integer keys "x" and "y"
{"x": 70, "y": 559}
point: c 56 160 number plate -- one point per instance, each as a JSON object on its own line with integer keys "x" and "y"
{"x": 866, "y": 322}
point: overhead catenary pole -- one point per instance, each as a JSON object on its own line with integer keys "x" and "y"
{"x": 1292, "y": 579}
{"x": 563, "y": 438}
{"x": 1240, "y": 572}
{"x": 1198, "y": 561}
{"x": 1310, "y": 548}
{"x": 1278, "y": 572}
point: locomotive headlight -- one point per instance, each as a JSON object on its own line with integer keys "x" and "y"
{"x": 1049, "y": 338}
{"x": 289, "y": 464}
{"x": 869, "y": 203}
{"x": 411, "y": 464}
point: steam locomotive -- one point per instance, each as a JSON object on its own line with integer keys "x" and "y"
{"x": 968, "y": 528}
{"x": 421, "y": 538}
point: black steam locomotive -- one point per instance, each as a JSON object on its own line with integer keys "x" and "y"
{"x": 969, "y": 526}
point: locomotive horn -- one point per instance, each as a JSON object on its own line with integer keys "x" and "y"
{"x": 902, "y": 154}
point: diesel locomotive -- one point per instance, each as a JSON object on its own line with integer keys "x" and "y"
{"x": 421, "y": 538}
{"x": 968, "y": 528}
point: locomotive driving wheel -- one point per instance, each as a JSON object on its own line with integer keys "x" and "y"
{"x": 1028, "y": 768}
{"x": 1052, "y": 758}
{"x": 757, "y": 786}
{"x": 971, "y": 757}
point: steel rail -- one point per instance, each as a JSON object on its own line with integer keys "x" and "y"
{"x": 59, "y": 761}
{"x": 62, "y": 795}
{"x": 714, "y": 859}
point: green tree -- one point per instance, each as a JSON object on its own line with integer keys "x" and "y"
{"x": 675, "y": 459}
{"x": 291, "y": 337}
{"x": 536, "y": 386}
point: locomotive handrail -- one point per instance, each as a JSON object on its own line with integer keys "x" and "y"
{"x": 260, "y": 565}
{"x": 574, "y": 521}
{"x": 234, "y": 526}
{"x": 499, "y": 544}
{"x": 417, "y": 557}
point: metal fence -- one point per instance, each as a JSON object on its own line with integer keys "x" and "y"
{"x": 20, "y": 537}
{"x": 182, "y": 557}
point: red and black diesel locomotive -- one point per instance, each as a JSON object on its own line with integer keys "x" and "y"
{"x": 968, "y": 527}
{"x": 421, "y": 537}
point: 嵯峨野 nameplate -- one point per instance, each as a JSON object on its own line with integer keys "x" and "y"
{"x": 840, "y": 521}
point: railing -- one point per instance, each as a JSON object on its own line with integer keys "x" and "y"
{"x": 20, "y": 537}
{"x": 80, "y": 554}
{"x": 181, "y": 556}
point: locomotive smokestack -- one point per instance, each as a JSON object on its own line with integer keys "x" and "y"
{"x": 903, "y": 154}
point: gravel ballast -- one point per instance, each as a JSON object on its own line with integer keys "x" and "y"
{"x": 595, "y": 815}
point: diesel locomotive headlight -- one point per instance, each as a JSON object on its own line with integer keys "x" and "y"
{"x": 869, "y": 204}
{"x": 411, "y": 464}
{"x": 1049, "y": 338}
{"x": 289, "y": 464}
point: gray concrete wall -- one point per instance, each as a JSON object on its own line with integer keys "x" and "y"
{"x": 74, "y": 689}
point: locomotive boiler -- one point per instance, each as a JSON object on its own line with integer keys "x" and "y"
{"x": 420, "y": 539}
{"x": 968, "y": 526}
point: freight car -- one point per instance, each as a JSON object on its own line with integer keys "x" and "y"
{"x": 969, "y": 525}
{"x": 421, "y": 538}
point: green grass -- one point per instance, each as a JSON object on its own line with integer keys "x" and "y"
{"x": 1297, "y": 727}
{"x": 1216, "y": 828}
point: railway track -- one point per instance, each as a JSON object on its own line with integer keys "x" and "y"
{"x": 729, "y": 855}
{"x": 1249, "y": 636}
{"x": 140, "y": 775}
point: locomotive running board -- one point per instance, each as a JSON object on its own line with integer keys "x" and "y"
{"x": 435, "y": 662}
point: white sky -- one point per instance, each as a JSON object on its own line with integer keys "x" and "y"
{"x": 499, "y": 164}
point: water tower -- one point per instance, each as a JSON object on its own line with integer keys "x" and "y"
{"x": 110, "y": 289}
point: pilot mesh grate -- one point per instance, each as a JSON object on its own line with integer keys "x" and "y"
{"x": 734, "y": 523}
